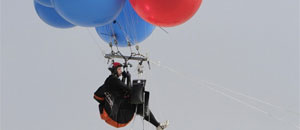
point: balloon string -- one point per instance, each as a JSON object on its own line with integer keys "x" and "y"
{"x": 113, "y": 38}
{"x": 126, "y": 19}
{"x": 163, "y": 29}
{"x": 130, "y": 21}
{"x": 123, "y": 31}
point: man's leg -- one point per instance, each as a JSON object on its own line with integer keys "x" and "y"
{"x": 151, "y": 119}
{"x": 147, "y": 116}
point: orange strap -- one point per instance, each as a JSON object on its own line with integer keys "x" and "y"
{"x": 99, "y": 98}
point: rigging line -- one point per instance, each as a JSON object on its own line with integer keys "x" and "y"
{"x": 134, "y": 21}
{"x": 255, "y": 99}
{"x": 126, "y": 36}
{"x": 123, "y": 31}
{"x": 129, "y": 19}
{"x": 226, "y": 95}
{"x": 113, "y": 38}
{"x": 251, "y": 98}
{"x": 201, "y": 84}
{"x": 111, "y": 44}
{"x": 119, "y": 52}
{"x": 163, "y": 29}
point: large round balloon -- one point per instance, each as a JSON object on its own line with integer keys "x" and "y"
{"x": 51, "y": 17}
{"x": 89, "y": 13}
{"x": 166, "y": 13}
{"x": 47, "y": 3}
{"x": 127, "y": 27}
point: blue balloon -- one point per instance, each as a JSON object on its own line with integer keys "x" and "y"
{"x": 51, "y": 17}
{"x": 46, "y": 3}
{"x": 127, "y": 27}
{"x": 89, "y": 13}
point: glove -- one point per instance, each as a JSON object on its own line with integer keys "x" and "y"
{"x": 124, "y": 74}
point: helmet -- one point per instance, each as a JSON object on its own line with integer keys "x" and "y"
{"x": 113, "y": 67}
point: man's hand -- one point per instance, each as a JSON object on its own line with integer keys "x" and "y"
{"x": 124, "y": 74}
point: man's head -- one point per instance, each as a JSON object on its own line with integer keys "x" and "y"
{"x": 116, "y": 68}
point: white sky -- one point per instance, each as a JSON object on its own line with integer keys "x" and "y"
{"x": 48, "y": 75}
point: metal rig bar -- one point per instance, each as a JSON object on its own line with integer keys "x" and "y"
{"x": 111, "y": 56}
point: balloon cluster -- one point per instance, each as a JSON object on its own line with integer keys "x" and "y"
{"x": 126, "y": 21}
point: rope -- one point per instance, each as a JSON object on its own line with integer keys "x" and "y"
{"x": 163, "y": 29}
{"x": 255, "y": 99}
{"x": 202, "y": 84}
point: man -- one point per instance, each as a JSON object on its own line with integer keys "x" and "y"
{"x": 120, "y": 110}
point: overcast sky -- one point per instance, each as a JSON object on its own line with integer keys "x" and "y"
{"x": 49, "y": 75}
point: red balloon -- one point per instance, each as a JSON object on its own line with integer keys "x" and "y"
{"x": 166, "y": 13}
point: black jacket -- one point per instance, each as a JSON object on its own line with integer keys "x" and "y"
{"x": 116, "y": 86}
{"x": 113, "y": 85}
